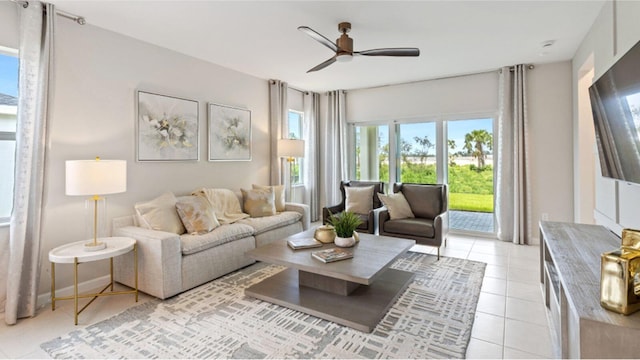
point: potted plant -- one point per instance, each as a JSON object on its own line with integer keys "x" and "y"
{"x": 345, "y": 225}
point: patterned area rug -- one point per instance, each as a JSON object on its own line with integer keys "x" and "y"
{"x": 432, "y": 319}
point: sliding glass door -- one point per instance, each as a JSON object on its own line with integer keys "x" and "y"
{"x": 457, "y": 152}
{"x": 470, "y": 174}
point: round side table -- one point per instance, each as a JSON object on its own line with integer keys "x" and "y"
{"x": 74, "y": 253}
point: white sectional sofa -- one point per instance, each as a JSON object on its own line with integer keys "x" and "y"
{"x": 170, "y": 263}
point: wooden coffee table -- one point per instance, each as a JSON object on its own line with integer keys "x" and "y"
{"x": 355, "y": 292}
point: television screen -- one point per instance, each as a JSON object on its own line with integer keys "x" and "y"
{"x": 615, "y": 103}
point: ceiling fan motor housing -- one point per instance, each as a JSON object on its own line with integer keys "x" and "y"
{"x": 344, "y": 42}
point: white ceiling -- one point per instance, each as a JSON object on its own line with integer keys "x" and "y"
{"x": 261, "y": 37}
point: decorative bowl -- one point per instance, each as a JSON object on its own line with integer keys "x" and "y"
{"x": 345, "y": 242}
{"x": 325, "y": 234}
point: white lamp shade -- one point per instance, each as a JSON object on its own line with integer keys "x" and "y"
{"x": 95, "y": 177}
{"x": 291, "y": 148}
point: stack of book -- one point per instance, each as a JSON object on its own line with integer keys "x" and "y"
{"x": 303, "y": 243}
{"x": 331, "y": 255}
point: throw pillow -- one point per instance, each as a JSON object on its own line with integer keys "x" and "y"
{"x": 160, "y": 214}
{"x": 259, "y": 202}
{"x": 359, "y": 199}
{"x": 278, "y": 192}
{"x": 197, "y": 215}
{"x": 397, "y": 205}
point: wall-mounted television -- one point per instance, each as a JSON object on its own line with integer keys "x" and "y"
{"x": 615, "y": 103}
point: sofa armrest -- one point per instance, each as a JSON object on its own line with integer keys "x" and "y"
{"x": 383, "y": 216}
{"x": 376, "y": 218}
{"x": 441, "y": 225}
{"x": 159, "y": 262}
{"x": 303, "y": 209}
{"x": 329, "y": 210}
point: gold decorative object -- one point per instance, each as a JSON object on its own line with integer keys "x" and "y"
{"x": 325, "y": 234}
{"x": 631, "y": 239}
{"x": 620, "y": 275}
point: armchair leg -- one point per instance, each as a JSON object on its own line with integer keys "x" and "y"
{"x": 438, "y": 252}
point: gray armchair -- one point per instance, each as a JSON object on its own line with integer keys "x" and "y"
{"x": 429, "y": 204}
{"x": 368, "y": 220}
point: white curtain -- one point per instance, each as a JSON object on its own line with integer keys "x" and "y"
{"x": 36, "y": 70}
{"x": 333, "y": 147}
{"x": 311, "y": 103}
{"x": 278, "y": 111}
{"x": 513, "y": 203}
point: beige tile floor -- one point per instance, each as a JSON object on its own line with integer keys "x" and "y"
{"x": 510, "y": 320}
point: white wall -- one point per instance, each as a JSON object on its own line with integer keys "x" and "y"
{"x": 549, "y": 110}
{"x": 614, "y": 32}
{"x": 96, "y": 75}
{"x": 551, "y": 145}
{"x": 9, "y": 20}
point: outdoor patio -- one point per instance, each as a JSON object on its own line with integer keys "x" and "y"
{"x": 471, "y": 221}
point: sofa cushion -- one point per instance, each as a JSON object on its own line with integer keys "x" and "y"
{"x": 425, "y": 201}
{"x": 259, "y": 202}
{"x": 192, "y": 244}
{"x": 264, "y": 224}
{"x": 160, "y": 214}
{"x": 413, "y": 226}
{"x": 278, "y": 191}
{"x": 196, "y": 214}
{"x": 359, "y": 199}
{"x": 397, "y": 206}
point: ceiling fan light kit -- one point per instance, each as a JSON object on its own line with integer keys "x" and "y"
{"x": 343, "y": 47}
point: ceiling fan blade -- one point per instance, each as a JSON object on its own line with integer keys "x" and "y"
{"x": 319, "y": 37}
{"x": 390, "y": 52}
{"x": 323, "y": 65}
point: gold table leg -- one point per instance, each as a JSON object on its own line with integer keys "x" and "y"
{"x": 135, "y": 267}
{"x": 94, "y": 296}
{"x": 75, "y": 290}
{"x": 53, "y": 286}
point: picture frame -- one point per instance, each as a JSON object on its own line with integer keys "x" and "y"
{"x": 229, "y": 133}
{"x": 167, "y": 128}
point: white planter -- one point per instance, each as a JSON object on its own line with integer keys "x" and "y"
{"x": 345, "y": 242}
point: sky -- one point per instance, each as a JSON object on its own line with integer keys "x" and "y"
{"x": 9, "y": 75}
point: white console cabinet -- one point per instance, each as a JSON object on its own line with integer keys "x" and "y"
{"x": 570, "y": 276}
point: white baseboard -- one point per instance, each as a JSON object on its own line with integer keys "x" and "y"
{"x": 83, "y": 287}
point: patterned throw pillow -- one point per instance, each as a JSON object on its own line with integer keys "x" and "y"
{"x": 160, "y": 214}
{"x": 359, "y": 199}
{"x": 259, "y": 202}
{"x": 397, "y": 205}
{"x": 278, "y": 192}
{"x": 197, "y": 215}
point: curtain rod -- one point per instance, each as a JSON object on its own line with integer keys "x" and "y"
{"x": 79, "y": 19}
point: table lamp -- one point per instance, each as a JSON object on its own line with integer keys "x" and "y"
{"x": 291, "y": 149}
{"x": 95, "y": 177}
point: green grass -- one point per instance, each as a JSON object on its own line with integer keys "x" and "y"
{"x": 470, "y": 189}
{"x": 471, "y": 202}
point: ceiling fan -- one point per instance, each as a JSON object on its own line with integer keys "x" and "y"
{"x": 343, "y": 47}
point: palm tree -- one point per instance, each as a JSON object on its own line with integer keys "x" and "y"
{"x": 475, "y": 142}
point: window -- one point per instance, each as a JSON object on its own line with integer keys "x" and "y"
{"x": 294, "y": 129}
{"x": 8, "y": 111}
{"x": 372, "y": 153}
{"x": 417, "y": 153}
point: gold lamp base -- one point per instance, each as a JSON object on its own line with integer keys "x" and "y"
{"x": 94, "y": 246}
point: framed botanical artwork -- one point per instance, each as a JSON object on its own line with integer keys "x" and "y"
{"x": 167, "y": 128}
{"x": 229, "y": 133}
